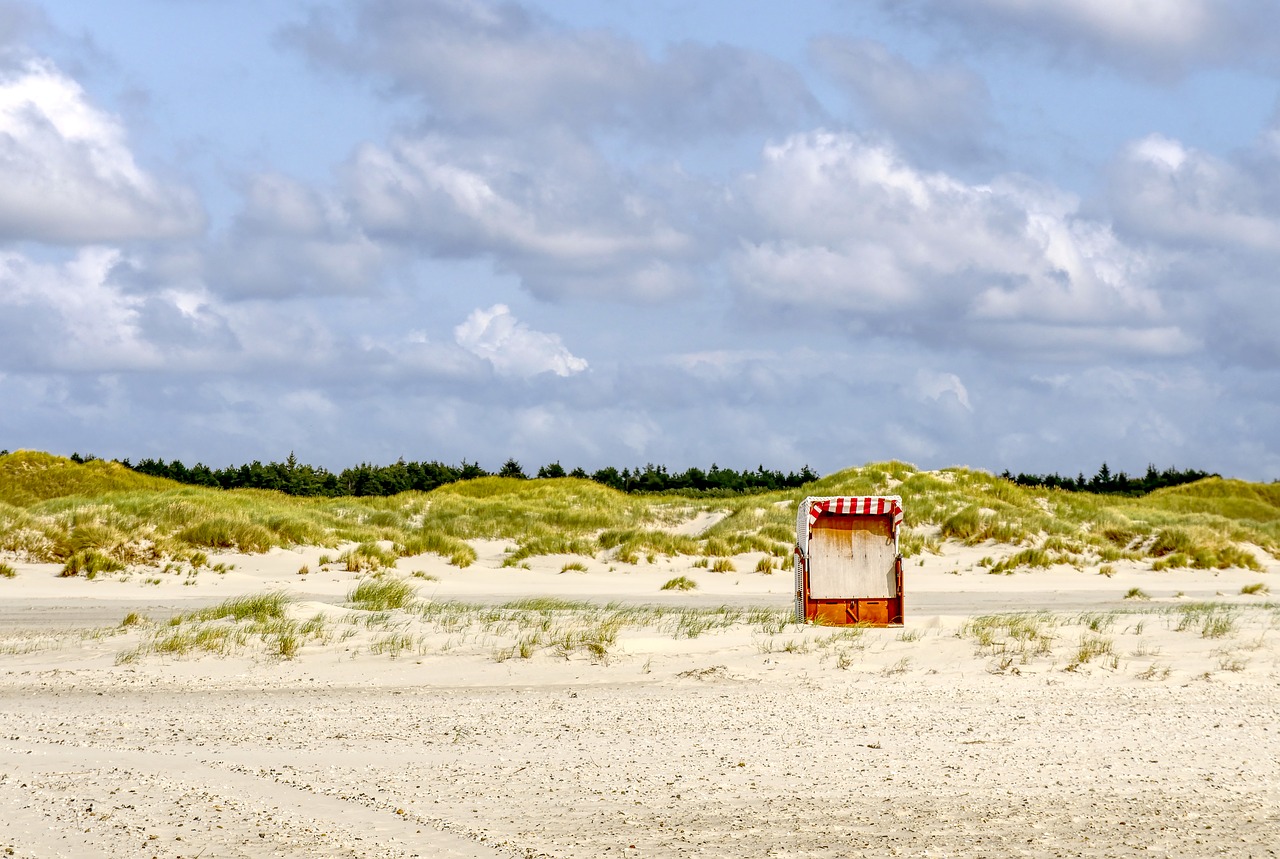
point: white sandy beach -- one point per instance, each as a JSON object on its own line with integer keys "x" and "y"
{"x": 392, "y": 736}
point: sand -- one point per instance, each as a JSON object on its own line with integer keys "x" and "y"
{"x": 739, "y": 741}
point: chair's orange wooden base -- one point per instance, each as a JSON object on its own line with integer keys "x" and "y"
{"x": 854, "y": 612}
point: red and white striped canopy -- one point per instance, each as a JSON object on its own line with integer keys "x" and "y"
{"x": 853, "y": 505}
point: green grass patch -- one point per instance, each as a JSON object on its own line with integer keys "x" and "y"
{"x": 432, "y": 541}
{"x": 1026, "y": 558}
{"x": 680, "y": 583}
{"x": 28, "y": 477}
{"x": 382, "y": 594}
{"x": 367, "y": 558}
{"x": 90, "y": 563}
{"x": 255, "y": 607}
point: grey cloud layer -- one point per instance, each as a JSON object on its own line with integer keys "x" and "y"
{"x": 292, "y": 241}
{"x": 548, "y": 207}
{"x": 944, "y": 109}
{"x": 502, "y": 66}
{"x": 1217, "y": 221}
{"x": 1155, "y": 39}
{"x": 18, "y": 20}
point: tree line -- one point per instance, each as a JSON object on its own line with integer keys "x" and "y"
{"x": 295, "y": 478}
{"x": 1107, "y": 482}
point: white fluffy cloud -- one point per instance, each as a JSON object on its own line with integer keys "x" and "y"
{"x": 66, "y": 172}
{"x": 852, "y": 232}
{"x": 513, "y": 348}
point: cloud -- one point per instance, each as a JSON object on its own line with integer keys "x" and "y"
{"x": 17, "y": 20}
{"x": 942, "y": 109}
{"x": 291, "y": 240}
{"x": 1164, "y": 190}
{"x": 848, "y": 231}
{"x": 1154, "y": 39}
{"x": 484, "y": 65}
{"x": 101, "y": 311}
{"x": 66, "y": 173}
{"x": 934, "y": 386}
{"x": 547, "y": 207}
{"x": 513, "y": 348}
{"x": 1217, "y": 222}
{"x": 68, "y": 316}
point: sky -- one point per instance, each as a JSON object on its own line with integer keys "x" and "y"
{"x": 997, "y": 233}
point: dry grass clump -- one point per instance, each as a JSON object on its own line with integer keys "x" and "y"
{"x": 90, "y": 563}
{"x": 222, "y": 630}
{"x": 1022, "y": 634}
{"x": 1092, "y": 647}
{"x": 679, "y": 583}
{"x": 437, "y": 542}
{"x": 7, "y": 571}
{"x": 631, "y": 543}
{"x": 1136, "y": 594}
{"x": 255, "y": 607}
{"x": 1200, "y": 548}
{"x": 1255, "y": 588}
{"x": 913, "y": 542}
{"x": 547, "y": 544}
{"x": 225, "y": 532}
{"x": 367, "y": 558}
{"x": 1030, "y": 558}
{"x": 723, "y": 565}
{"x": 972, "y": 526}
{"x": 1213, "y": 620}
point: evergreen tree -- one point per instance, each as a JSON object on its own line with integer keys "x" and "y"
{"x": 511, "y": 468}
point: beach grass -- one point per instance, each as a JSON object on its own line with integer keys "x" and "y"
{"x": 52, "y": 508}
{"x": 382, "y": 594}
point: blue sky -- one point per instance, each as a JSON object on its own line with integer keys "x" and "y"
{"x": 992, "y": 233}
